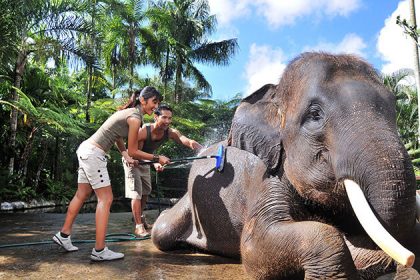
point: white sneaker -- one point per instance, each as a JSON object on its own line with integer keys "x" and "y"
{"x": 105, "y": 255}
{"x": 64, "y": 242}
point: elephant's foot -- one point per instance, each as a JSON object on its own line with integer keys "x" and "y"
{"x": 405, "y": 273}
{"x": 370, "y": 261}
{"x": 311, "y": 250}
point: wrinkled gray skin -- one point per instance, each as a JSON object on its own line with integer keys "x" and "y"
{"x": 280, "y": 203}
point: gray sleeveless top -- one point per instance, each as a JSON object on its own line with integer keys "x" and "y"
{"x": 115, "y": 127}
{"x": 149, "y": 145}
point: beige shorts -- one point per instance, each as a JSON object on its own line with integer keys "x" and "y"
{"x": 137, "y": 180}
{"x": 92, "y": 166}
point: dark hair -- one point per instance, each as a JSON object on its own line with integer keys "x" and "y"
{"x": 162, "y": 107}
{"x": 147, "y": 92}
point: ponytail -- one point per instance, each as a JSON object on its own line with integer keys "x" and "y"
{"x": 147, "y": 92}
{"x": 133, "y": 101}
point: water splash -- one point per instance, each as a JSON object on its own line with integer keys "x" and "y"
{"x": 215, "y": 135}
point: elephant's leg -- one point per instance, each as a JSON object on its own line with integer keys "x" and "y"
{"x": 173, "y": 226}
{"x": 414, "y": 246}
{"x": 295, "y": 249}
{"x": 370, "y": 261}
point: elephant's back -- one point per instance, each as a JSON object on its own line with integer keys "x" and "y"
{"x": 219, "y": 199}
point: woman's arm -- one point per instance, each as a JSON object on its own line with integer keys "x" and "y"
{"x": 133, "y": 151}
{"x": 121, "y": 147}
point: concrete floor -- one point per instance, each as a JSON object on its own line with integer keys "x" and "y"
{"x": 142, "y": 260}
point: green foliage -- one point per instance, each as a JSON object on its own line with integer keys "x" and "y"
{"x": 407, "y": 112}
{"x": 14, "y": 188}
{"x": 80, "y": 58}
{"x": 58, "y": 191}
{"x": 9, "y": 34}
{"x": 97, "y": 48}
{"x": 184, "y": 28}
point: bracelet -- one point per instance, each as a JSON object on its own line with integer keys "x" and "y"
{"x": 156, "y": 158}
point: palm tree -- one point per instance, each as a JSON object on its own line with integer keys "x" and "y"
{"x": 47, "y": 28}
{"x": 184, "y": 26}
{"x": 406, "y": 109}
{"x": 415, "y": 59}
{"x": 126, "y": 39}
{"x": 410, "y": 28}
{"x": 8, "y": 35}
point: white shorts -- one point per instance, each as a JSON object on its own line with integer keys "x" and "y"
{"x": 137, "y": 180}
{"x": 92, "y": 166}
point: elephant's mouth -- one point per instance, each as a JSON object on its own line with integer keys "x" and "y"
{"x": 373, "y": 227}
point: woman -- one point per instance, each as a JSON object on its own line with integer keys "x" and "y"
{"x": 93, "y": 174}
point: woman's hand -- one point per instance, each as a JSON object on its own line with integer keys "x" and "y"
{"x": 130, "y": 161}
{"x": 164, "y": 160}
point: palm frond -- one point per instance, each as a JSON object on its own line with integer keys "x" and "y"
{"x": 217, "y": 53}
{"x": 199, "y": 78}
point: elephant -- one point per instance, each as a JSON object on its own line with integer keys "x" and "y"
{"x": 297, "y": 152}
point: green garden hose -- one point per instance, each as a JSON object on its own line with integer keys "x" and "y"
{"x": 113, "y": 237}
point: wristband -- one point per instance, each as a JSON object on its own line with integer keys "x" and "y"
{"x": 156, "y": 158}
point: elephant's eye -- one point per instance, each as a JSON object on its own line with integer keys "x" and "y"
{"x": 314, "y": 116}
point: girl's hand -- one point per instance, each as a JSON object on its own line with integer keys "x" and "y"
{"x": 130, "y": 161}
{"x": 164, "y": 160}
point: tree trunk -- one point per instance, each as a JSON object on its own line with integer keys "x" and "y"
{"x": 114, "y": 81}
{"x": 178, "y": 81}
{"x": 19, "y": 69}
{"x": 166, "y": 73}
{"x": 416, "y": 62}
{"x": 88, "y": 93}
{"x": 92, "y": 45}
{"x": 56, "y": 166}
{"x": 44, "y": 145}
{"x": 132, "y": 55}
{"x": 130, "y": 85}
{"x": 26, "y": 152}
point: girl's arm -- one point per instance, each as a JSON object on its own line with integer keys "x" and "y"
{"x": 133, "y": 151}
{"x": 121, "y": 147}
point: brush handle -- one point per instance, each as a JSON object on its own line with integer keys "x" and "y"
{"x": 176, "y": 159}
{"x": 190, "y": 158}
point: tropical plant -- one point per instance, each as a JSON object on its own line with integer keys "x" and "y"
{"x": 183, "y": 27}
{"x": 406, "y": 109}
{"x": 125, "y": 40}
{"x": 47, "y": 29}
{"x": 9, "y": 22}
{"x": 413, "y": 32}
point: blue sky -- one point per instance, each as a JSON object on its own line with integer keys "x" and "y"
{"x": 270, "y": 33}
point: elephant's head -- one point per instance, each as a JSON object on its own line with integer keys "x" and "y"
{"x": 333, "y": 120}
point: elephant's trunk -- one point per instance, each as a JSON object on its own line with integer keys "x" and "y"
{"x": 374, "y": 228}
{"x": 385, "y": 176}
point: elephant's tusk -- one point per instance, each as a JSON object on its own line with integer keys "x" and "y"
{"x": 373, "y": 227}
{"x": 418, "y": 206}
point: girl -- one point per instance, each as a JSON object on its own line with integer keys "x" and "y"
{"x": 93, "y": 173}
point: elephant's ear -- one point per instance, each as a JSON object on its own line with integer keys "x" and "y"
{"x": 256, "y": 127}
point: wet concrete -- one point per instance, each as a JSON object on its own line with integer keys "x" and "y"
{"x": 142, "y": 260}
